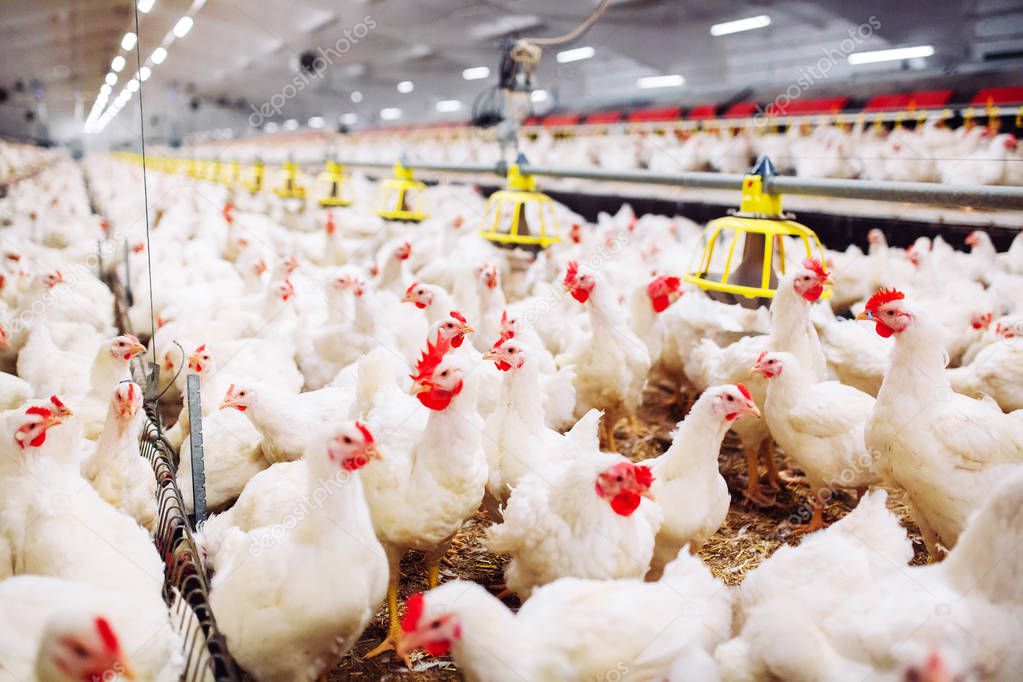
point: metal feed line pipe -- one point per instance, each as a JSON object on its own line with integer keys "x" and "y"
{"x": 937, "y": 194}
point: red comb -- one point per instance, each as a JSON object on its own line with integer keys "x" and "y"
{"x": 458, "y": 316}
{"x": 742, "y": 387}
{"x": 39, "y": 410}
{"x": 201, "y": 348}
{"x": 411, "y": 287}
{"x": 882, "y": 296}
{"x": 432, "y": 357}
{"x": 505, "y": 335}
{"x": 364, "y": 430}
{"x": 56, "y": 401}
{"x": 814, "y": 265}
{"x": 106, "y": 634}
{"x": 414, "y": 608}
{"x": 571, "y": 273}
{"x": 644, "y": 476}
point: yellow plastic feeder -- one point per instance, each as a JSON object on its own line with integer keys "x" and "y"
{"x": 755, "y": 230}
{"x": 253, "y": 181}
{"x": 229, "y": 174}
{"x": 519, "y": 216}
{"x": 290, "y": 187}
{"x": 331, "y": 187}
{"x": 401, "y": 197}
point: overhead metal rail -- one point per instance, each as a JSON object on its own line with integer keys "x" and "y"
{"x": 932, "y": 193}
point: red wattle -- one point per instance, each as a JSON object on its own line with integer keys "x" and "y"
{"x": 437, "y": 648}
{"x": 438, "y": 399}
{"x": 580, "y": 295}
{"x": 625, "y": 502}
{"x": 813, "y": 294}
{"x": 420, "y": 305}
{"x": 456, "y": 340}
{"x": 502, "y": 365}
{"x": 883, "y": 330}
{"x": 660, "y": 303}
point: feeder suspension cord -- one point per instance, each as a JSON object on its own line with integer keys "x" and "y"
{"x": 528, "y": 51}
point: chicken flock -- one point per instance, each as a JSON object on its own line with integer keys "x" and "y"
{"x": 368, "y": 387}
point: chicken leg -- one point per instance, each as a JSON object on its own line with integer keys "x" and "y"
{"x": 816, "y": 521}
{"x": 394, "y": 631}
{"x": 753, "y": 493}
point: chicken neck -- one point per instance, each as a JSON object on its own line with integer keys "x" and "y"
{"x": 695, "y": 442}
{"x": 917, "y": 372}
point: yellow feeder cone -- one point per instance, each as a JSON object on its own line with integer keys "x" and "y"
{"x": 330, "y": 186}
{"x": 290, "y": 188}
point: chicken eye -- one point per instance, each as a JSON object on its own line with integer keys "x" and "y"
{"x": 79, "y": 650}
{"x": 348, "y": 440}
{"x": 511, "y": 350}
{"x": 730, "y": 398}
{"x": 435, "y": 624}
{"x": 444, "y": 373}
{"x": 618, "y": 478}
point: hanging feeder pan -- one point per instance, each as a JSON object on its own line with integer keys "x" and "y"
{"x": 290, "y": 187}
{"x": 520, "y": 216}
{"x": 254, "y": 177}
{"x": 331, "y": 186}
{"x": 401, "y": 197}
{"x": 761, "y": 228}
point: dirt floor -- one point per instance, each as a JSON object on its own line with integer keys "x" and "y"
{"x": 749, "y": 536}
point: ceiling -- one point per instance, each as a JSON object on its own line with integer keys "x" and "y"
{"x": 243, "y": 55}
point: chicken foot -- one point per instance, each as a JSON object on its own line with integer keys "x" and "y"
{"x": 394, "y": 631}
{"x": 816, "y": 521}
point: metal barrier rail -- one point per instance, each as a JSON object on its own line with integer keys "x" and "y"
{"x": 185, "y": 585}
{"x": 986, "y": 197}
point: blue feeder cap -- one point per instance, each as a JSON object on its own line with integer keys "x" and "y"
{"x": 764, "y": 167}
{"x": 521, "y": 159}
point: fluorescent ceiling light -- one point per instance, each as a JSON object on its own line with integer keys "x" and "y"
{"x": 897, "y": 53}
{"x": 390, "y": 113}
{"x": 117, "y": 64}
{"x": 128, "y": 41}
{"x": 449, "y": 105}
{"x": 316, "y": 122}
{"x": 159, "y": 54}
{"x": 105, "y": 89}
{"x": 476, "y": 73}
{"x": 356, "y": 96}
{"x": 111, "y": 79}
{"x": 669, "y": 81}
{"x": 349, "y": 118}
{"x": 539, "y": 96}
{"x": 575, "y": 55}
{"x": 183, "y": 26}
{"x": 270, "y": 127}
{"x": 291, "y": 124}
{"x": 145, "y": 5}
{"x": 740, "y": 25}
{"x": 133, "y": 85}
{"x": 144, "y": 73}
{"x": 406, "y": 87}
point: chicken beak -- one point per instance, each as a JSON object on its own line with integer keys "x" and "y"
{"x": 127, "y": 671}
{"x": 53, "y": 420}
{"x": 407, "y": 298}
{"x": 136, "y": 349}
{"x": 371, "y": 452}
{"x": 419, "y": 387}
{"x": 753, "y": 410}
{"x": 828, "y": 282}
{"x": 466, "y": 329}
{"x": 863, "y": 315}
{"x": 226, "y": 402}
{"x": 649, "y": 494}
{"x": 491, "y": 355}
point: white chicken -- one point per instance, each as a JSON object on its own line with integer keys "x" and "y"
{"x": 945, "y": 449}
{"x": 55, "y": 630}
{"x": 689, "y": 488}
{"x": 611, "y": 365}
{"x": 643, "y": 627}
{"x": 585, "y": 517}
{"x": 820, "y": 425}
{"x": 432, "y": 479}
{"x": 117, "y": 469}
{"x": 284, "y": 608}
